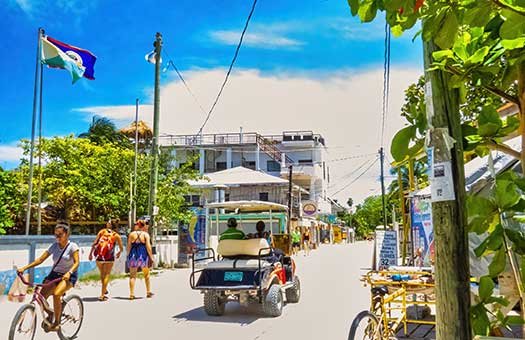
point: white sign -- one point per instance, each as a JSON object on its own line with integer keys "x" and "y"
{"x": 155, "y": 210}
{"x": 386, "y": 249}
{"x": 442, "y": 182}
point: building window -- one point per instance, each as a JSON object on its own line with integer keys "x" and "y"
{"x": 263, "y": 196}
{"x": 305, "y": 161}
{"x": 220, "y": 166}
{"x": 249, "y": 165}
{"x": 192, "y": 200}
{"x": 227, "y": 197}
{"x": 273, "y": 166}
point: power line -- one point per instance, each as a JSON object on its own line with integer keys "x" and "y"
{"x": 230, "y": 68}
{"x": 349, "y": 175}
{"x": 358, "y": 177}
{"x": 351, "y": 157}
{"x": 172, "y": 64}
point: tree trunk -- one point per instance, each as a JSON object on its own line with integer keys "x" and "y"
{"x": 450, "y": 227}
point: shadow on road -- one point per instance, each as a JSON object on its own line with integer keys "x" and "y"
{"x": 126, "y": 298}
{"x": 234, "y": 314}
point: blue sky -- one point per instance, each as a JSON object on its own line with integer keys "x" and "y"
{"x": 306, "y": 39}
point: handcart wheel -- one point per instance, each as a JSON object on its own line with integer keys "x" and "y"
{"x": 365, "y": 326}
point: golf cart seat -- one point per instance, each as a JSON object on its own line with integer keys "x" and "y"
{"x": 254, "y": 247}
{"x": 238, "y": 264}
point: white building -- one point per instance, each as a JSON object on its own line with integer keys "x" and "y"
{"x": 305, "y": 151}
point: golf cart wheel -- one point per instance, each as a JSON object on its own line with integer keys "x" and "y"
{"x": 213, "y": 304}
{"x": 293, "y": 294}
{"x": 273, "y": 301}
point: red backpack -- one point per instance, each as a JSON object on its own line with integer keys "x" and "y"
{"x": 104, "y": 250}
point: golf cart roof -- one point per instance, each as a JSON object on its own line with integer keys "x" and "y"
{"x": 248, "y": 206}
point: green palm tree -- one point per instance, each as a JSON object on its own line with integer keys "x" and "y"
{"x": 420, "y": 178}
{"x": 102, "y": 130}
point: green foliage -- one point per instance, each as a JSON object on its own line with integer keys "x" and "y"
{"x": 171, "y": 191}
{"x": 10, "y": 202}
{"x": 483, "y": 48}
{"x": 84, "y": 180}
{"x": 369, "y": 215}
{"x": 103, "y": 131}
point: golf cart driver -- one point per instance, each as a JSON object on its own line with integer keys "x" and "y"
{"x": 232, "y": 233}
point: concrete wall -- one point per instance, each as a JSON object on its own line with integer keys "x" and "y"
{"x": 18, "y": 255}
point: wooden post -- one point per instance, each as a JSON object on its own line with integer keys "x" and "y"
{"x": 449, "y": 215}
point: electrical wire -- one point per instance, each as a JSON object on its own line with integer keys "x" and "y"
{"x": 172, "y": 64}
{"x": 358, "y": 177}
{"x": 230, "y": 68}
{"x": 350, "y": 174}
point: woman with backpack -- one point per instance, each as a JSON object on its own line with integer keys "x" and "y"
{"x": 103, "y": 249}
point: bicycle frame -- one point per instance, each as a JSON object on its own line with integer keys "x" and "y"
{"x": 381, "y": 305}
{"x": 38, "y": 298}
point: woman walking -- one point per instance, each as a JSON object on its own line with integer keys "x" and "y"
{"x": 65, "y": 264}
{"x": 140, "y": 256}
{"x": 103, "y": 249}
{"x": 306, "y": 242}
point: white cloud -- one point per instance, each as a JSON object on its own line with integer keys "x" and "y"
{"x": 36, "y": 9}
{"x": 266, "y": 40}
{"x": 10, "y": 153}
{"x": 345, "y": 107}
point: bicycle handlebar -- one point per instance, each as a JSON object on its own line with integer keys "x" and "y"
{"x": 24, "y": 281}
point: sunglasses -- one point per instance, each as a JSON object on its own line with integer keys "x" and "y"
{"x": 59, "y": 235}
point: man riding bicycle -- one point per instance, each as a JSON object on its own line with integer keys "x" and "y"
{"x": 65, "y": 256}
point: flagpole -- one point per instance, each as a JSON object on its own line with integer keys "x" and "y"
{"x": 33, "y": 123}
{"x": 39, "y": 211}
{"x": 134, "y": 211}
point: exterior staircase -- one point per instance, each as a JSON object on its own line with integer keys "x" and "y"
{"x": 271, "y": 150}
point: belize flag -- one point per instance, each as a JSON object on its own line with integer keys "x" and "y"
{"x": 79, "y": 62}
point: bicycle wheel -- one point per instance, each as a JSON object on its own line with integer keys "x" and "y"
{"x": 23, "y": 325}
{"x": 72, "y": 316}
{"x": 365, "y": 327}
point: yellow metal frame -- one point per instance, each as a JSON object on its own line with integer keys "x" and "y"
{"x": 382, "y": 306}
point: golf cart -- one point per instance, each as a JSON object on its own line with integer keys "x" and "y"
{"x": 246, "y": 271}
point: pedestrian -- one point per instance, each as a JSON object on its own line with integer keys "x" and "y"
{"x": 306, "y": 242}
{"x": 296, "y": 241}
{"x": 65, "y": 255}
{"x": 103, "y": 250}
{"x": 140, "y": 257}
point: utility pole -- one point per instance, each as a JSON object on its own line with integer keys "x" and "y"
{"x": 134, "y": 194}
{"x": 448, "y": 204}
{"x": 155, "y": 147}
{"x": 290, "y": 187}
{"x": 382, "y": 158}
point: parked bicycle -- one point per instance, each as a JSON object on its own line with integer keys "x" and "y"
{"x": 24, "y": 323}
{"x": 389, "y": 302}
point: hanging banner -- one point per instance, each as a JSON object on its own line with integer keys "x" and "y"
{"x": 385, "y": 249}
{"x": 192, "y": 236}
{"x": 422, "y": 230}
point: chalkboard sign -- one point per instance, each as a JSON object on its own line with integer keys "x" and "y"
{"x": 385, "y": 249}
